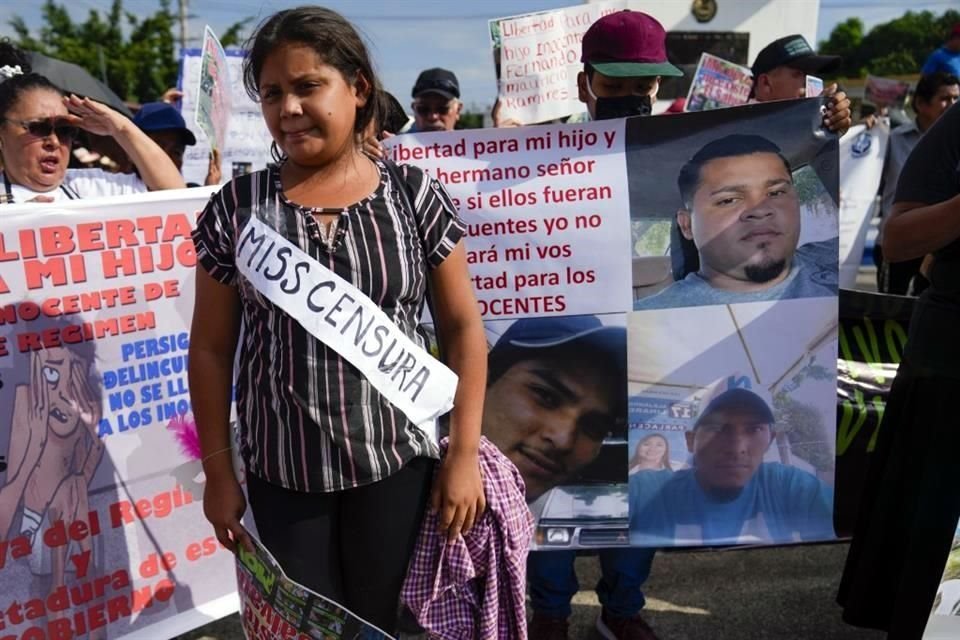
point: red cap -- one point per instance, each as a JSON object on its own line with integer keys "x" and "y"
{"x": 627, "y": 44}
{"x": 955, "y": 32}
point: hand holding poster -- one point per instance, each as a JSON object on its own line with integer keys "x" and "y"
{"x": 213, "y": 92}
{"x": 718, "y": 83}
{"x": 274, "y": 606}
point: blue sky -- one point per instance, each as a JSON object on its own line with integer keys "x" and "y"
{"x": 410, "y": 35}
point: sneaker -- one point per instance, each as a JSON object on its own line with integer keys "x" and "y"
{"x": 544, "y": 627}
{"x": 614, "y": 628}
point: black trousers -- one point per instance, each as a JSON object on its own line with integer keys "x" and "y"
{"x": 351, "y": 546}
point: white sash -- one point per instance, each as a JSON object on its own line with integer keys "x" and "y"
{"x": 343, "y": 318}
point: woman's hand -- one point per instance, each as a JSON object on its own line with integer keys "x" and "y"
{"x": 458, "y": 493}
{"x": 224, "y": 506}
{"x": 93, "y": 116}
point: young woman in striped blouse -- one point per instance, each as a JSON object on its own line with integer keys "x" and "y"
{"x": 338, "y": 477}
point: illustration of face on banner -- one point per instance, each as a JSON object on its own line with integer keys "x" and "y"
{"x": 96, "y": 436}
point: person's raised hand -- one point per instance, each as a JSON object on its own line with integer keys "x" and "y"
{"x": 93, "y": 116}
{"x": 837, "y": 117}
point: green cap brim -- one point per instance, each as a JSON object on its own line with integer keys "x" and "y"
{"x": 636, "y": 69}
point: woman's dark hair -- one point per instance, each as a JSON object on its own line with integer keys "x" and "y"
{"x": 12, "y": 88}
{"x": 336, "y": 42}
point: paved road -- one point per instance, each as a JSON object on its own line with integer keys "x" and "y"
{"x": 756, "y": 594}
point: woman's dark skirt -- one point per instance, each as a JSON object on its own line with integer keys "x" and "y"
{"x": 908, "y": 514}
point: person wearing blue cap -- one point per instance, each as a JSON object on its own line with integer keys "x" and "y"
{"x": 164, "y": 125}
{"x": 556, "y": 387}
{"x": 730, "y": 495}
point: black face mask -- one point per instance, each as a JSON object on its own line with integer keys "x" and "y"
{"x": 622, "y": 107}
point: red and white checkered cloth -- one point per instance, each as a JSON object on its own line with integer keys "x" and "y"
{"x": 474, "y": 587}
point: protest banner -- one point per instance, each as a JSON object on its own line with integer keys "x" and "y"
{"x": 101, "y": 519}
{"x": 556, "y": 215}
{"x": 886, "y": 92}
{"x": 274, "y": 606}
{"x": 537, "y": 59}
{"x": 247, "y": 146}
{"x": 862, "y": 153}
{"x": 718, "y": 83}
{"x": 873, "y": 332}
{"x": 213, "y": 91}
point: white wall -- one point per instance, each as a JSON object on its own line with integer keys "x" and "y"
{"x": 765, "y": 20}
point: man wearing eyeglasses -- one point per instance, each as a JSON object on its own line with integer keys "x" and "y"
{"x": 436, "y": 101}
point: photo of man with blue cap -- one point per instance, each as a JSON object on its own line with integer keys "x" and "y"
{"x": 730, "y": 495}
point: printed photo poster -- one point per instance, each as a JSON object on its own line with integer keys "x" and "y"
{"x": 717, "y": 84}
{"x": 247, "y": 145}
{"x": 732, "y": 344}
{"x": 100, "y": 484}
{"x": 213, "y": 91}
{"x": 684, "y": 49}
{"x": 537, "y": 58}
{"x": 886, "y": 92}
{"x": 670, "y": 159}
{"x": 732, "y": 424}
{"x": 547, "y": 241}
{"x": 274, "y": 606}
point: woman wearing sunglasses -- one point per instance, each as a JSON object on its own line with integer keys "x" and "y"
{"x": 38, "y": 125}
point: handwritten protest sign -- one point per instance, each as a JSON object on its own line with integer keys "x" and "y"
{"x": 718, "y": 83}
{"x": 213, "y": 92}
{"x": 537, "y": 56}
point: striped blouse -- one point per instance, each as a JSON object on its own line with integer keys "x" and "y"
{"x": 309, "y": 421}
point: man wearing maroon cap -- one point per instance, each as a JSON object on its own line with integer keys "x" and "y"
{"x": 947, "y": 57}
{"x": 624, "y": 57}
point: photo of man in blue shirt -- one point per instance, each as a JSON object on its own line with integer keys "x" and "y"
{"x": 742, "y": 211}
{"x": 730, "y": 495}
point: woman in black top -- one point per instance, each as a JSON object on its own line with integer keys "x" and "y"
{"x": 909, "y": 515}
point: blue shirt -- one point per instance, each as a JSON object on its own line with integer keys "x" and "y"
{"x": 813, "y": 274}
{"x": 779, "y": 504}
{"x": 942, "y": 60}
